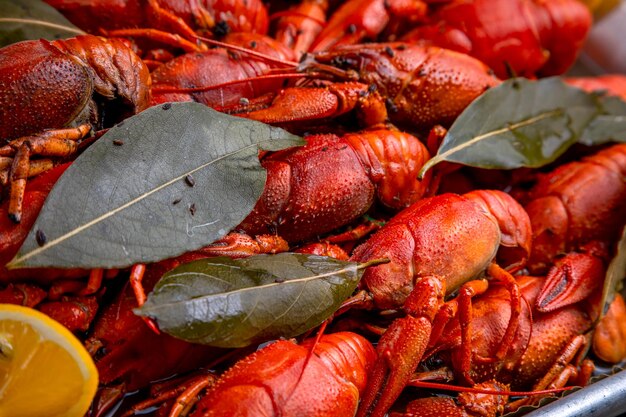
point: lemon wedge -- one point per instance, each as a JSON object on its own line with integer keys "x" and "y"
{"x": 44, "y": 369}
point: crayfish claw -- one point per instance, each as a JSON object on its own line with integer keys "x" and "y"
{"x": 572, "y": 279}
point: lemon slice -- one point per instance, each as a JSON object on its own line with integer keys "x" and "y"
{"x": 44, "y": 369}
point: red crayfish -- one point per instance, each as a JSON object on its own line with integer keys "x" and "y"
{"x": 577, "y": 203}
{"x": 183, "y": 18}
{"x": 436, "y": 246}
{"x": 85, "y": 81}
{"x": 493, "y": 334}
{"x": 520, "y": 37}
{"x": 419, "y": 86}
{"x": 557, "y": 314}
{"x": 198, "y": 69}
{"x": 279, "y": 380}
{"x": 611, "y": 84}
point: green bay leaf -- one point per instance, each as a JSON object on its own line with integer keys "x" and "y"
{"x": 184, "y": 176}
{"x": 234, "y": 303}
{"x": 32, "y": 19}
{"x": 520, "y": 123}
{"x": 615, "y": 274}
{"x": 609, "y": 125}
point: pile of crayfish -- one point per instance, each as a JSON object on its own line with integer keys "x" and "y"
{"x": 493, "y": 281}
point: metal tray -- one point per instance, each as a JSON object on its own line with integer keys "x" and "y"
{"x": 604, "y": 398}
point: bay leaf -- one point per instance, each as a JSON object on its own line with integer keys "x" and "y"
{"x": 520, "y": 123}
{"x": 234, "y": 303}
{"x": 615, "y": 274}
{"x": 22, "y": 20}
{"x": 169, "y": 180}
{"x": 609, "y": 125}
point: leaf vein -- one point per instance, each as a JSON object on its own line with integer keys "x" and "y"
{"x": 110, "y": 213}
{"x": 505, "y": 129}
{"x": 43, "y": 23}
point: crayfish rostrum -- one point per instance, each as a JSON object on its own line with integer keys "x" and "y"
{"x": 372, "y": 78}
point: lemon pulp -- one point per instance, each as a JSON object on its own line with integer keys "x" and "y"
{"x": 44, "y": 368}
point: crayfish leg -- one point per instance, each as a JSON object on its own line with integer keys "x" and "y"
{"x": 136, "y": 276}
{"x": 186, "y": 400}
{"x": 562, "y": 371}
{"x": 503, "y": 276}
{"x": 401, "y": 348}
{"x": 18, "y": 176}
{"x": 240, "y": 245}
{"x": 53, "y": 143}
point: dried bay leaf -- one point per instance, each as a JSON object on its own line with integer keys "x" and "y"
{"x": 32, "y": 19}
{"x": 520, "y": 123}
{"x": 225, "y": 302}
{"x": 609, "y": 125}
{"x": 615, "y": 274}
{"x": 184, "y": 177}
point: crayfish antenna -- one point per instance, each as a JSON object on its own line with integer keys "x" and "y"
{"x": 156, "y": 35}
{"x": 320, "y": 332}
{"x": 248, "y": 51}
{"x": 169, "y": 89}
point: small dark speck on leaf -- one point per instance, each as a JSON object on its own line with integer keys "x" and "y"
{"x": 176, "y": 201}
{"x": 279, "y": 280}
{"x": 118, "y": 142}
{"x": 190, "y": 181}
{"x": 192, "y": 209}
{"x": 352, "y": 28}
{"x": 389, "y": 51}
{"x": 167, "y": 106}
{"x": 40, "y": 237}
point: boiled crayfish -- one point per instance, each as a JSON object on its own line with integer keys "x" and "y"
{"x": 183, "y": 18}
{"x": 437, "y": 246}
{"x": 87, "y": 81}
{"x": 279, "y": 379}
{"x": 451, "y": 293}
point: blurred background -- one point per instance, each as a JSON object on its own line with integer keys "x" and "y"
{"x": 605, "y": 50}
